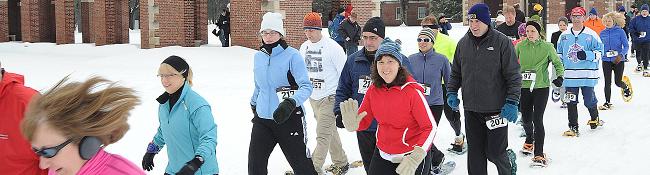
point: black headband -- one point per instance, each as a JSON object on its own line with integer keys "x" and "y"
{"x": 179, "y": 64}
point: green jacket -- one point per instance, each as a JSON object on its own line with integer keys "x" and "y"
{"x": 536, "y": 56}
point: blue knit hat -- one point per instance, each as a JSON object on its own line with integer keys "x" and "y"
{"x": 644, "y": 7}
{"x": 621, "y": 9}
{"x": 593, "y": 11}
{"x": 480, "y": 11}
{"x": 391, "y": 48}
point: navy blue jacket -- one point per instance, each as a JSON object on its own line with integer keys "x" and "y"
{"x": 637, "y": 25}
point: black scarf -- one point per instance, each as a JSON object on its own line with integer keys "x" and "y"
{"x": 173, "y": 98}
{"x": 268, "y": 48}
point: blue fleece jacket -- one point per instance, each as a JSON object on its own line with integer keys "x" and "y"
{"x": 637, "y": 25}
{"x": 614, "y": 39}
{"x": 431, "y": 68}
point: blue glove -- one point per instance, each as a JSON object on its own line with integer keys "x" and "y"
{"x": 510, "y": 110}
{"x": 452, "y": 100}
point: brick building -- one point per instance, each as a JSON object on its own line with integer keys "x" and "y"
{"x": 553, "y": 9}
{"x": 246, "y": 16}
{"x": 173, "y": 22}
{"x": 416, "y": 11}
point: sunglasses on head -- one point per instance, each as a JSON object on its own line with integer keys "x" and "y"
{"x": 51, "y": 151}
{"x": 424, "y": 40}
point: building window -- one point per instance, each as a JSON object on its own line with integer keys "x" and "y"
{"x": 422, "y": 12}
{"x": 398, "y": 13}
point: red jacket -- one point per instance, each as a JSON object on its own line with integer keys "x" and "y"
{"x": 404, "y": 119}
{"x": 16, "y": 155}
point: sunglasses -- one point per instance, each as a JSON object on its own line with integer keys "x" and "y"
{"x": 51, "y": 151}
{"x": 424, "y": 40}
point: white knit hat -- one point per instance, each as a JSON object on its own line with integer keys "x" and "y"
{"x": 272, "y": 21}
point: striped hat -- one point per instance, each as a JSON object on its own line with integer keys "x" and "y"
{"x": 391, "y": 48}
{"x": 429, "y": 33}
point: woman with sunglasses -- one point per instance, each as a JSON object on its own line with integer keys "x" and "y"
{"x": 186, "y": 124}
{"x": 429, "y": 69}
{"x": 282, "y": 85}
{"x": 71, "y": 124}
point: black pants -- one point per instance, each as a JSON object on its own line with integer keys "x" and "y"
{"x": 381, "y": 166}
{"x": 452, "y": 116}
{"x": 608, "y": 67}
{"x": 484, "y": 144}
{"x": 533, "y": 105}
{"x": 367, "y": 145}
{"x": 643, "y": 51}
{"x": 634, "y": 51}
{"x": 291, "y": 137}
{"x": 435, "y": 156}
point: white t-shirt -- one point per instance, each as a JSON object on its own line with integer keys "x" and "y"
{"x": 324, "y": 60}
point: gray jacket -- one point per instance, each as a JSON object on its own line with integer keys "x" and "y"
{"x": 487, "y": 71}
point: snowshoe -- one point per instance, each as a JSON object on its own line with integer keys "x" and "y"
{"x": 338, "y": 170}
{"x": 527, "y": 149}
{"x": 556, "y": 95}
{"x": 595, "y": 123}
{"x": 513, "y": 161}
{"x": 539, "y": 162}
{"x": 639, "y": 68}
{"x": 356, "y": 164}
{"x": 443, "y": 169}
{"x": 458, "y": 147}
{"x": 646, "y": 73}
{"x": 572, "y": 132}
{"x": 606, "y": 106}
{"x": 627, "y": 93}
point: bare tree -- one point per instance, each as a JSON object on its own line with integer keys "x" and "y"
{"x": 404, "y": 9}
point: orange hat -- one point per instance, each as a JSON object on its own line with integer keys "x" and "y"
{"x": 313, "y": 21}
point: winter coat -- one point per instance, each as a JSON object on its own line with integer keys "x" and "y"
{"x": 104, "y": 163}
{"x": 637, "y": 25}
{"x": 356, "y": 67}
{"x": 17, "y": 156}
{"x": 579, "y": 73}
{"x": 188, "y": 130}
{"x": 614, "y": 39}
{"x": 487, "y": 72}
{"x": 511, "y": 32}
{"x": 350, "y": 30}
{"x": 272, "y": 72}
{"x": 519, "y": 16}
{"x": 431, "y": 68}
{"x": 554, "y": 37}
{"x": 325, "y": 60}
{"x": 403, "y": 116}
{"x": 445, "y": 45}
{"x": 445, "y": 28}
{"x": 595, "y": 24}
{"x": 333, "y": 28}
{"x": 535, "y": 56}
{"x": 224, "y": 22}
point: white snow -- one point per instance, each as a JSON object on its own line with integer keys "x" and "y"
{"x": 224, "y": 77}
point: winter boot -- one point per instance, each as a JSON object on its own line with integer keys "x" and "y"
{"x": 539, "y": 161}
{"x": 527, "y": 149}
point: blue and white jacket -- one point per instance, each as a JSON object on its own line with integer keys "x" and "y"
{"x": 270, "y": 73}
{"x": 578, "y": 73}
{"x": 614, "y": 39}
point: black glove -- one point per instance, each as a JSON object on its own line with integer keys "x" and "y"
{"x": 192, "y": 166}
{"x": 147, "y": 161}
{"x": 558, "y": 81}
{"x": 284, "y": 111}
{"x": 254, "y": 108}
{"x": 339, "y": 120}
{"x": 582, "y": 55}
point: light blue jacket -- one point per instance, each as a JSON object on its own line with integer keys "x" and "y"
{"x": 579, "y": 73}
{"x": 188, "y": 130}
{"x": 270, "y": 73}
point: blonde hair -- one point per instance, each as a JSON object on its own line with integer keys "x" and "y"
{"x": 171, "y": 69}
{"x": 429, "y": 19}
{"x": 618, "y": 18}
{"x": 79, "y": 109}
{"x": 509, "y": 9}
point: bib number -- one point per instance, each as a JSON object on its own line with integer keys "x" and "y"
{"x": 569, "y": 97}
{"x": 317, "y": 83}
{"x": 364, "y": 84}
{"x": 642, "y": 34}
{"x": 496, "y": 122}
{"x": 427, "y": 89}
{"x": 284, "y": 92}
{"x": 528, "y": 76}
{"x": 611, "y": 53}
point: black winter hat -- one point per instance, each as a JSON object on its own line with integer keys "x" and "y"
{"x": 179, "y": 64}
{"x": 534, "y": 24}
{"x": 375, "y": 25}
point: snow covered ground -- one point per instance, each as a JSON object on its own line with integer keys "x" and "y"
{"x": 224, "y": 77}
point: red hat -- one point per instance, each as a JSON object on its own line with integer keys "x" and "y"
{"x": 312, "y": 21}
{"x": 348, "y": 10}
{"x": 578, "y": 10}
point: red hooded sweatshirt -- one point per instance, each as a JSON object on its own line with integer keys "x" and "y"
{"x": 16, "y": 155}
{"x": 404, "y": 119}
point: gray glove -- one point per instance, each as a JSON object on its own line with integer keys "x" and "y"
{"x": 411, "y": 161}
{"x": 350, "y": 115}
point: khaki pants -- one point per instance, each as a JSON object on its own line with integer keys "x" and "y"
{"x": 327, "y": 137}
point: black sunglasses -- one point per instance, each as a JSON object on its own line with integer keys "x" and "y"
{"x": 51, "y": 151}
{"x": 424, "y": 40}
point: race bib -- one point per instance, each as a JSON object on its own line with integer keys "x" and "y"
{"x": 284, "y": 92}
{"x": 569, "y": 97}
{"x": 642, "y": 34}
{"x": 496, "y": 122}
{"x": 611, "y": 53}
{"x": 318, "y": 84}
{"x": 528, "y": 75}
{"x": 364, "y": 84}
{"x": 427, "y": 89}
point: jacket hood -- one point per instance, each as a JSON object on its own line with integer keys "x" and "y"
{"x": 10, "y": 79}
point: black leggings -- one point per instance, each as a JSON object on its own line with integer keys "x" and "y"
{"x": 533, "y": 105}
{"x": 381, "y": 166}
{"x": 452, "y": 116}
{"x": 435, "y": 156}
{"x": 608, "y": 67}
{"x": 643, "y": 51}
